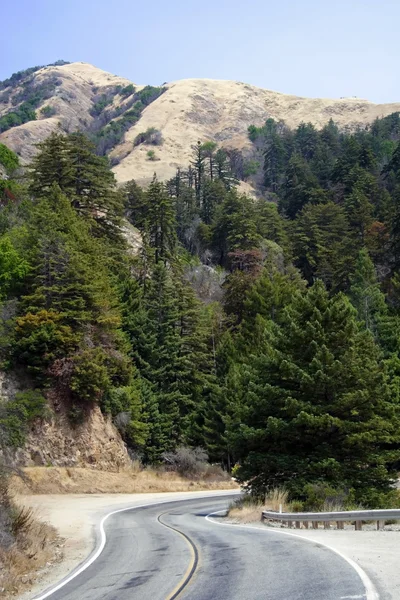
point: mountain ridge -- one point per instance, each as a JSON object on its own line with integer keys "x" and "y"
{"x": 186, "y": 111}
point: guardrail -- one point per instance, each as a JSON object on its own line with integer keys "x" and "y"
{"x": 354, "y": 516}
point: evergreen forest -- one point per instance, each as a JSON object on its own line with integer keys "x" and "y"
{"x": 263, "y": 329}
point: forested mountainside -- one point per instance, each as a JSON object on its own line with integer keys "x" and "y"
{"x": 147, "y": 129}
{"x": 266, "y": 331}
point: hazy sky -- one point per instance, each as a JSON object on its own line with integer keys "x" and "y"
{"x": 308, "y": 47}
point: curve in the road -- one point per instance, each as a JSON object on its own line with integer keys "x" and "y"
{"x": 103, "y": 539}
{"x": 192, "y": 565}
{"x": 140, "y": 555}
{"x": 370, "y": 590}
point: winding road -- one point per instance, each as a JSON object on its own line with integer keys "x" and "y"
{"x": 176, "y": 550}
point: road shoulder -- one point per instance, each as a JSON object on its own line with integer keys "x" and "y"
{"x": 376, "y": 552}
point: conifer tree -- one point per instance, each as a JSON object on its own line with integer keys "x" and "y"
{"x": 299, "y": 188}
{"x": 85, "y": 178}
{"x": 316, "y": 404}
{"x": 161, "y": 221}
{"x": 324, "y": 246}
{"x": 365, "y": 292}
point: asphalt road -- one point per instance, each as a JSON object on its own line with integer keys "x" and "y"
{"x": 172, "y": 551}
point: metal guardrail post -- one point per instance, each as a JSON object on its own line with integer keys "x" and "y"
{"x": 355, "y": 516}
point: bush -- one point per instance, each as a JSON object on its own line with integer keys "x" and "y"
{"x": 150, "y": 136}
{"x": 40, "y": 338}
{"x": 90, "y": 378}
{"x": 48, "y": 111}
{"x": 188, "y": 462}
{"x": 323, "y": 497}
{"x": 127, "y": 90}
{"x": 151, "y": 155}
{"x": 250, "y": 168}
{"x": 100, "y": 105}
{"x": 8, "y": 158}
{"x": 16, "y": 416}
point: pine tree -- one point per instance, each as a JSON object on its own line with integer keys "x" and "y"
{"x": 299, "y": 188}
{"x": 274, "y": 162}
{"x": 365, "y": 292}
{"x": 316, "y": 405}
{"x": 160, "y": 220}
{"x": 235, "y": 226}
{"x": 198, "y": 165}
{"x": 324, "y": 246}
{"x": 136, "y": 206}
{"x": 85, "y": 179}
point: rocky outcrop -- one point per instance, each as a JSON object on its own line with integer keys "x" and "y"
{"x": 95, "y": 444}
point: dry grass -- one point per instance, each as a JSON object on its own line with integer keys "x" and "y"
{"x": 135, "y": 480}
{"x": 35, "y": 545}
{"x": 248, "y": 510}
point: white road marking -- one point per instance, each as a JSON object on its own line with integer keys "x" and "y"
{"x": 103, "y": 539}
{"x": 370, "y": 590}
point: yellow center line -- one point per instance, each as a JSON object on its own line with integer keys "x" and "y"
{"x": 194, "y": 560}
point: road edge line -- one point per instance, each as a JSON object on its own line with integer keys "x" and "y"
{"x": 96, "y": 552}
{"x": 370, "y": 589}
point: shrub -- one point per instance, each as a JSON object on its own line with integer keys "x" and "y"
{"x": 40, "y": 338}
{"x": 250, "y": 168}
{"x": 188, "y": 462}
{"x": 16, "y": 416}
{"x": 100, "y": 105}
{"x": 323, "y": 497}
{"x": 151, "y": 155}
{"x": 48, "y": 111}
{"x": 150, "y": 136}
{"x": 127, "y": 90}
{"x": 8, "y": 158}
{"x": 90, "y": 376}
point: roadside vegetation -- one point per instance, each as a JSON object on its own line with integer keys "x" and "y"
{"x": 26, "y": 544}
{"x": 185, "y": 469}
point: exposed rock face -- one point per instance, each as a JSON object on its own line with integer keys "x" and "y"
{"x": 189, "y": 110}
{"x": 132, "y": 237}
{"x": 95, "y": 444}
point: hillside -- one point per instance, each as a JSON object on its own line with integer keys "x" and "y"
{"x": 263, "y": 334}
{"x": 81, "y": 96}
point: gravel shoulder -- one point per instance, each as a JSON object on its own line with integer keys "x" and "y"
{"x": 76, "y": 516}
{"x": 376, "y": 552}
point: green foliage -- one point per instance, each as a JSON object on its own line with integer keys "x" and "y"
{"x": 128, "y": 90}
{"x": 90, "y": 377}
{"x": 13, "y": 268}
{"x": 8, "y": 159}
{"x": 16, "y": 416}
{"x": 316, "y": 406}
{"x": 109, "y": 136}
{"x": 276, "y": 370}
{"x": 100, "y": 105}
{"x": 150, "y": 136}
{"x": 70, "y": 163}
{"x": 48, "y": 111}
{"x": 250, "y": 168}
{"x": 151, "y": 155}
{"x": 31, "y": 96}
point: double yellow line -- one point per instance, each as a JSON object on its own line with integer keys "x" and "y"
{"x": 194, "y": 561}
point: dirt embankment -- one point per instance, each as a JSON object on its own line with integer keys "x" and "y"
{"x": 132, "y": 480}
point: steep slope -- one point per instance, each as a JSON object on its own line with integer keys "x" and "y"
{"x": 71, "y": 92}
{"x": 188, "y": 110}
{"x": 205, "y": 109}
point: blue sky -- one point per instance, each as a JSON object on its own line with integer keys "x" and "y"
{"x": 310, "y": 48}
